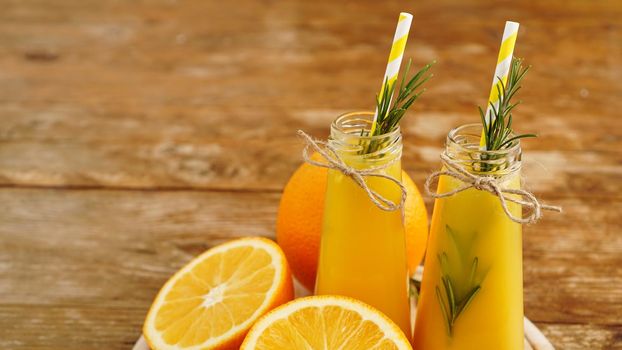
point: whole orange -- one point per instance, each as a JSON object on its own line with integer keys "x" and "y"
{"x": 299, "y": 222}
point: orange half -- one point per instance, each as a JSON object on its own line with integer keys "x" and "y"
{"x": 325, "y": 323}
{"x": 213, "y": 301}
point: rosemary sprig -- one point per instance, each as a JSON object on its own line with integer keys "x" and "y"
{"x": 390, "y": 109}
{"x": 454, "y": 300}
{"x": 390, "y": 114}
{"x": 451, "y": 305}
{"x": 498, "y": 132}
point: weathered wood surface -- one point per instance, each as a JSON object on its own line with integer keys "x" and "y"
{"x": 134, "y": 135}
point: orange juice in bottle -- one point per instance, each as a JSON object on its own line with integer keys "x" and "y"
{"x": 472, "y": 289}
{"x": 363, "y": 248}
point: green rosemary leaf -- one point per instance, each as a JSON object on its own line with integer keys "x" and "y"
{"x": 446, "y": 316}
{"x": 500, "y": 88}
{"x": 473, "y": 270}
{"x": 412, "y": 99}
{"x": 406, "y": 70}
{"x": 509, "y": 141}
{"x": 483, "y": 118}
{"x": 415, "y": 83}
{"x": 511, "y": 93}
{"x": 453, "y": 302}
{"x": 451, "y": 298}
{"x": 468, "y": 299}
{"x": 395, "y": 116}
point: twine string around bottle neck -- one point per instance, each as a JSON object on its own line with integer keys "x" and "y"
{"x": 492, "y": 185}
{"x": 332, "y": 160}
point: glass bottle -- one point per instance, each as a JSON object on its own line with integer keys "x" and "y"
{"x": 472, "y": 289}
{"x": 363, "y": 248}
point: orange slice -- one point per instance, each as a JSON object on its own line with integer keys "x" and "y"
{"x": 325, "y": 323}
{"x": 213, "y": 301}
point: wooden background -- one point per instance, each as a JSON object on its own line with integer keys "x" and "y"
{"x": 136, "y": 134}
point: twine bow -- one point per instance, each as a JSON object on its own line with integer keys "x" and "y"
{"x": 489, "y": 184}
{"x": 334, "y": 161}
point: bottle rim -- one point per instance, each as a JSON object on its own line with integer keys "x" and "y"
{"x": 357, "y": 121}
{"x": 345, "y": 136}
{"x": 463, "y": 146}
{"x": 463, "y": 137}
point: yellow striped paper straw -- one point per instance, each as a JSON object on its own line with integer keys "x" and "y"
{"x": 395, "y": 56}
{"x": 504, "y": 61}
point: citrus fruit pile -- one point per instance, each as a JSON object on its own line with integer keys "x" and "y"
{"x": 239, "y": 288}
{"x": 240, "y": 295}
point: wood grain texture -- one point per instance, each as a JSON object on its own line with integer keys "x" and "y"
{"x": 152, "y": 96}
{"x": 111, "y": 250}
{"x": 135, "y": 135}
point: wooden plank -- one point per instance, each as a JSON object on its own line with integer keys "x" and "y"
{"x": 573, "y": 287}
{"x": 111, "y": 247}
{"x": 73, "y": 327}
{"x": 181, "y": 104}
{"x": 116, "y": 248}
{"x": 260, "y": 164}
{"x": 104, "y": 327}
{"x": 583, "y": 336}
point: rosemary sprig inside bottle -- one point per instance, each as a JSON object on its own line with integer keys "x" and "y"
{"x": 498, "y": 133}
{"x": 390, "y": 109}
{"x": 456, "y": 293}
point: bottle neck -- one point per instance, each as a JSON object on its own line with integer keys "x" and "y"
{"x": 349, "y": 136}
{"x": 463, "y": 148}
